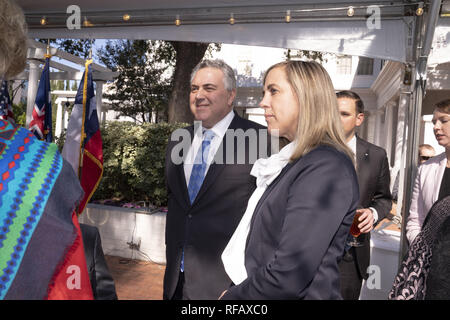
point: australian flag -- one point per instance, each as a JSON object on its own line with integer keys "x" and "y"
{"x": 41, "y": 124}
{"x": 83, "y": 146}
{"x": 6, "y": 112}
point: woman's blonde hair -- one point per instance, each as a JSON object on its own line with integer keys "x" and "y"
{"x": 319, "y": 122}
{"x": 13, "y": 39}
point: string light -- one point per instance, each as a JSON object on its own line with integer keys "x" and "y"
{"x": 288, "y": 16}
{"x": 350, "y": 11}
{"x": 228, "y": 18}
{"x": 419, "y": 10}
{"x": 231, "y": 20}
{"x": 87, "y": 23}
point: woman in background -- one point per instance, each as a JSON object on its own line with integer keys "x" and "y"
{"x": 433, "y": 177}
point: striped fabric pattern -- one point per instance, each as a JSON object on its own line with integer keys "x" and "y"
{"x": 28, "y": 171}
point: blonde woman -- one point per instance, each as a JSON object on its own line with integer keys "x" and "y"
{"x": 292, "y": 235}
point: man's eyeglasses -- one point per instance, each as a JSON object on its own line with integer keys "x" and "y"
{"x": 424, "y": 158}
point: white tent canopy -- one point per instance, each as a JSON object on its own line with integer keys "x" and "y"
{"x": 321, "y": 25}
{"x": 315, "y": 25}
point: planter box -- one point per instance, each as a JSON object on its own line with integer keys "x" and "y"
{"x": 121, "y": 226}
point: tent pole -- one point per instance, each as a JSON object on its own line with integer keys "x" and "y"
{"x": 414, "y": 116}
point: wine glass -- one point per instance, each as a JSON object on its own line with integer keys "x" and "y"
{"x": 355, "y": 232}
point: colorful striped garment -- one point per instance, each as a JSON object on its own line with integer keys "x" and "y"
{"x": 38, "y": 193}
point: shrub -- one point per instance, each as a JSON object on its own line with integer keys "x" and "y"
{"x": 133, "y": 162}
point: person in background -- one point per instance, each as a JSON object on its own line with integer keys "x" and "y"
{"x": 432, "y": 181}
{"x": 206, "y": 198}
{"x": 375, "y": 200}
{"x": 102, "y": 283}
{"x": 426, "y": 152}
{"x": 292, "y": 235}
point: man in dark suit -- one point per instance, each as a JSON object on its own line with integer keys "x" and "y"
{"x": 102, "y": 283}
{"x": 375, "y": 198}
{"x": 206, "y": 198}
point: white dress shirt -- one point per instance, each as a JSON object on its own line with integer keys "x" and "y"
{"x": 219, "y": 129}
{"x": 352, "y": 145}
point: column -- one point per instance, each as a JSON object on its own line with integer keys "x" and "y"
{"x": 59, "y": 118}
{"x": 99, "y": 98}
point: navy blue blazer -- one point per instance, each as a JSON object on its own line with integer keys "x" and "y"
{"x": 299, "y": 228}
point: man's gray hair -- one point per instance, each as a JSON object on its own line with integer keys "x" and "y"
{"x": 229, "y": 78}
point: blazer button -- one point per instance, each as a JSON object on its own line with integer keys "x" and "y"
{"x": 189, "y": 216}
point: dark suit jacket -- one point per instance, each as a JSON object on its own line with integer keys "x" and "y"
{"x": 102, "y": 283}
{"x": 299, "y": 228}
{"x": 372, "y": 168}
{"x": 205, "y": 227}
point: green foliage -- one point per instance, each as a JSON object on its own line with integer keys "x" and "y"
{"x": 144, "y": 82}
{"x": 133, "y": 162}
{"x": 20, "y": 113}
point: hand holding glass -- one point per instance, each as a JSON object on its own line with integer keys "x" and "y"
{"x": 354, "y": 231}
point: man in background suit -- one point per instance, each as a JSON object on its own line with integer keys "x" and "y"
{"x": 102, "y": 283}
{"x": 375, "y": 203}
{"x": 206, "y": 198}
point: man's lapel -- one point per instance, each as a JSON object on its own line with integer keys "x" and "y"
{"x": 178, "y": 182}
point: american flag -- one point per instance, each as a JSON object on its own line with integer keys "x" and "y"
{"x": 41, "y": 125}
{"x": 6, "y": 112}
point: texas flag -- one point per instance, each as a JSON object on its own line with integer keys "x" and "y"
{"x": 83, "y": 146}
{"x": 41, "y": 124}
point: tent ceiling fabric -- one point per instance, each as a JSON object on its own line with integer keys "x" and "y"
{"x": 316, "y": 25}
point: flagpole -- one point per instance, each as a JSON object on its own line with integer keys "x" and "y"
{"x": 83, "y": 134}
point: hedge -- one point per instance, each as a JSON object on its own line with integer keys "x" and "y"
{"x": 133, "y": 164}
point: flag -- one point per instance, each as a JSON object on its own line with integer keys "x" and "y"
{"x": 41, "y": 124}
{"x": 71, "y": 280}
{"x": 6, "y": 112}
{"x": 83, "y": 146}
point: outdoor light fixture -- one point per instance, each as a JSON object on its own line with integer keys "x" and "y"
{"x": 87, "y": 23}
{"x": 177, "y": 20}
{"x": 419, "y": 10}
{"x": 231, "y": 20}
{"x": 126, "y": 17}
{"x": 43, "y": 21}
{"x": 350, "y": 11}
{"x": 288, "y": 16}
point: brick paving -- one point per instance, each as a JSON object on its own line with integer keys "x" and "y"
{"x": 136, "y": 279}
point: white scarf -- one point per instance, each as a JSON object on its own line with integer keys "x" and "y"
{"x": 265, "y": 171}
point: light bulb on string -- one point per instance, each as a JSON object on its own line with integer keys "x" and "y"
{"x": 231, "y": 20}
{"x": 177, "y": 20}
{"x": 350, "y": 11}
{"x": 288, "y": 16}
{"x": 126, "y": 17}
{"x": 87, "y": 23}
{"x": 419, "y": 10}
{"x": 43, "y": 21}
